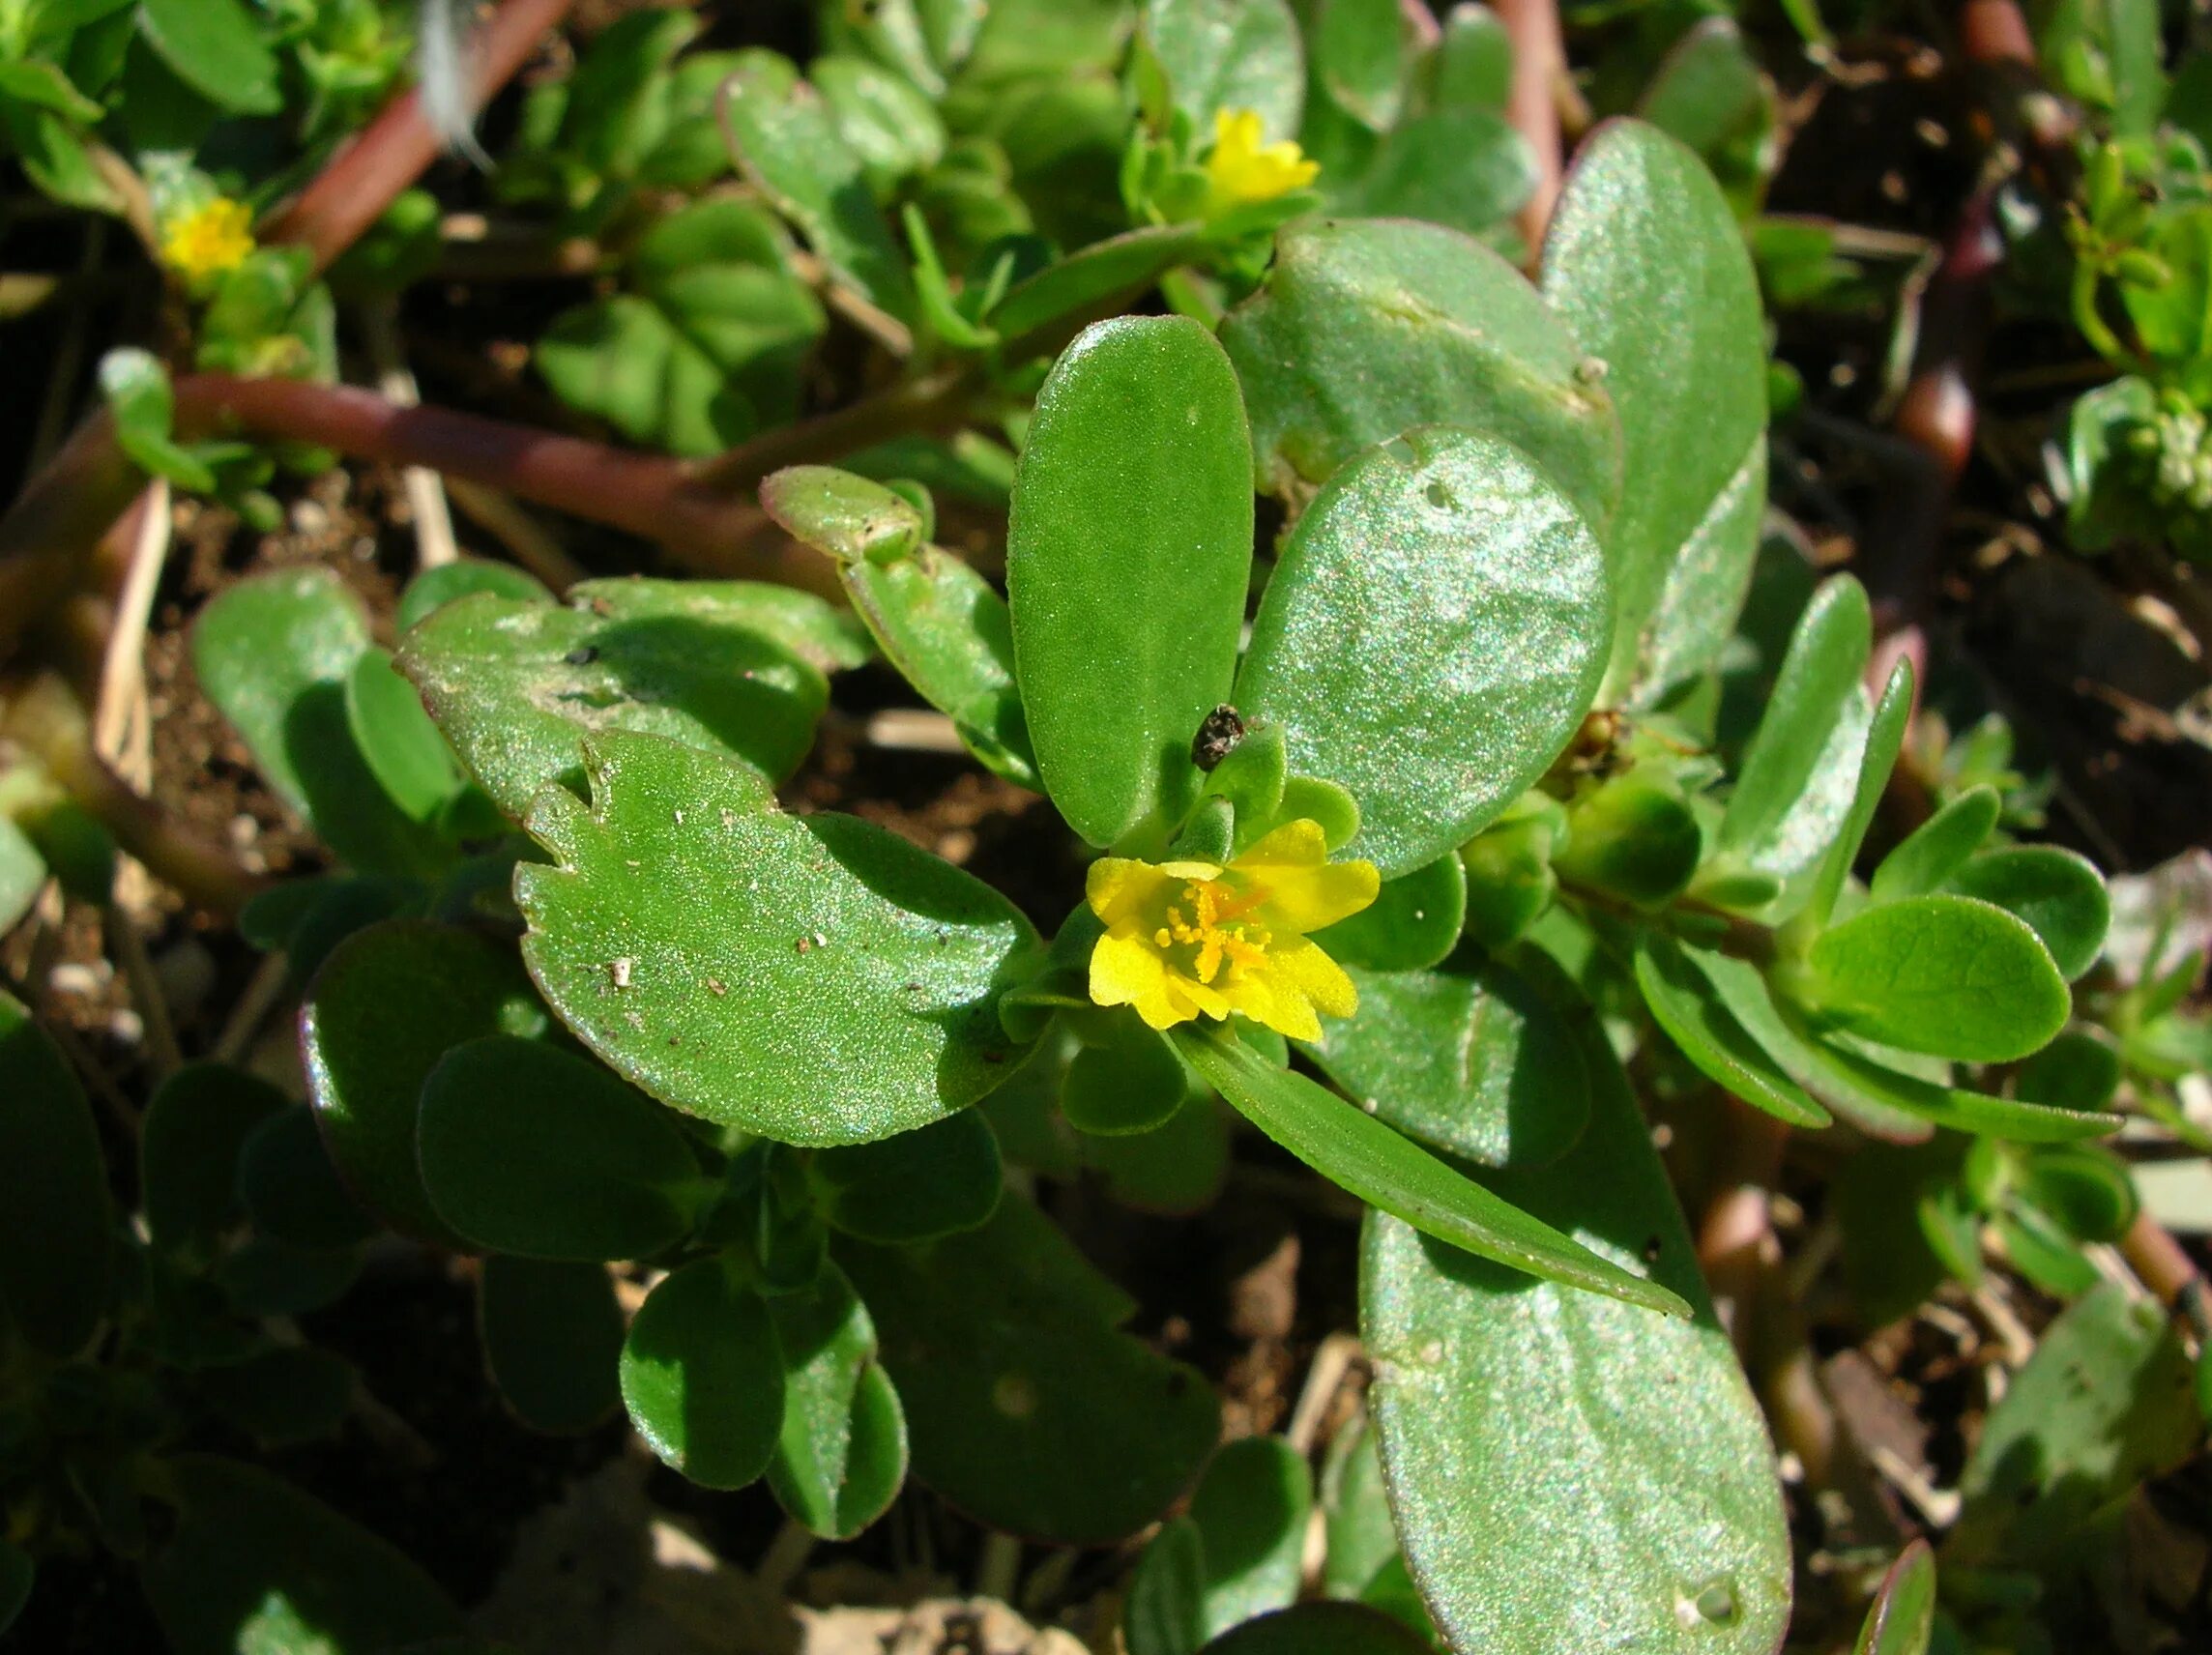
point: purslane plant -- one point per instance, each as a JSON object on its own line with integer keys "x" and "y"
{"x": 1446, "y": 818}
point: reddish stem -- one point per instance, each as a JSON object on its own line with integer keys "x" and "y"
{"x": 396, "y": 148}
{"x": 1532, "y": 103}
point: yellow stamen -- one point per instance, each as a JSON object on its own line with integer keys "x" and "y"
{"x": 210, "y": 239}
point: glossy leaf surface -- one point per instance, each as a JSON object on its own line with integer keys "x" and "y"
{"x": 1646, "y": 265}
{"x": 534, "y": 1151}
{"x": 841, "y": 1456}
{"x": 1466, "y": 1058}
{"x": 1443, "y": 572}
{"x": 1568, "y": 1471}
{"x": 815, "y": 979}
{"x": 1127, "y": 556}
{"x": 1367, "y": 327}
{"x": 552, "y": 1338}
{"x": 1027, "y": 1407}
{"x": 516, "y": 686}
{"x": 702, "y": 1376}
{"x": 389, "y": 1003}
{"x": 1390, "y": 1171}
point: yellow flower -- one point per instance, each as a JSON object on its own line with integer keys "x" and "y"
{"x": 1186, "y": 937}
{"x": 210, "y": 239}
{"x": 1242, "y": 168}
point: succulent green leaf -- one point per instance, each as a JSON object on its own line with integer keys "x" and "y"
{"x": 702, "y": 1376}
{"x": 216, "y": 47}
{"x": 2104, "y": 1401}
{"x": 1367, "y": 327}
{"x": 196, "y": 1125}
{"x": 713, "y": 950}
{"x": 786, "y": 137}
{"x": 1387, "y": 1170}
{"x": 516, "y": 686}
{"x": 388, "y": 1004}
{"x": 709, "y": 346}
{"x": 1568, "y": 1472}
{"x": 1413, "y": 923}
{"x": 1229, "y": 54}
{"x": 1126, "y": 1080}
{"x": 57, "y": 1242}
{"x": 1027, "y": 1407}
{"x": 841, "y": 1457}
{"x": 941, "y": 626}
{"x": 1633, "y": 836}
{"x": 1687, "y": 1007}
{"x": 1902, "y": 1617}
{"x": 552, "y": 1336}
{"x": 397, "y": 740}
{"x": 290, "y": 1188}
{"x": 441, "y": 584}
{"x": 1884, "y": 740}
{"x": 1320, "y": 1629}
{"x": 1936, "y": 850}
{"x": 1466, "y": 169}
{"x": 1250, "y": 1509}
{"x": 842, "y": 515}
{"x": 254, "y": 1563}
{"x": 1468, "y": 1057}
{"x": 1793, "y": 790}
{"x": 2057, "y": 892}
{"x": 934, "y": 1180}
{"x": 1127, "y": 557}
{"x": 273, "y": 654}
{"x": 1646, "y": 265}
{"x": 532, "y": 1150}
{"x": 1948, "y": 976}
{"x": 1362, "y": 1539}
{"x": 1040, "y": 310}
{"x": 1443, "y": 570}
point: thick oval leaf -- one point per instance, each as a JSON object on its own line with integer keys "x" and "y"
{"x": 387, "y": 1003}
{"x": 1250, "y": 1510}
{"x": 1686, "y": 1005}
{"x": 932, "y": 1181}
{"x": 1465, "y": 168}
{"x": 786, "y": 138}
{"x": 2105, "y": 1401}
{"x": 851, "y": 519}
{"x": 530, "y": 1150}
{"x": 516, "y": 686}
{"x": 814, "y": 979}
{"x": 1936, "y": 850}
{"x": 441, "y": 583}
{"x": 1647, "y": 265}
{"x": 1835, "y": 1072}
{"x": 253, "y": 1563}
{"x": 1367, "y": 327}
{"x": 813, "y": 628}
{"x": 1569, "y": 1473}
{"x": 1125, "y": 1081}
{"x": 1444, "y": 572}
{"x": 1320, "y": 1629}
{"x": 216, "y": 47}
{"x": 58, "y": 1244}
{"x": 2057, "y": 892}
{"x": 1903, "y": 1617}
{"x": 273, "y": 654}
{"x": 196, "y": 1125}
{"x": 1387, "y": 1170}
{"x": 1413, "y": 922}
{"x": 1127, "y": 556}
{"x": 397, "y": 740}
{"x": 1027, "y": 1410}
{"x": 841, "y": 1459}
{"x": 552, "y": 1338}
{"x": 1229, "y": 54}
{"x": 1767, "y": 825}
{"x": 1468, "y": 1057}
{"x": 941, "y": 626}
{"x": 1040, "y": 312}
{"x": 702, "y": 1376}
{"x": 1884, "y": 740}
{"x": 1942, "y": 975}
{"x": 290, "y": 1188}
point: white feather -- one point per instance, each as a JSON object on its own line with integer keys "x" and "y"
{"x": 442, "y": 75}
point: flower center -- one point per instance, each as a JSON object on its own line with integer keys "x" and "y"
{"x": 1211, "y": 923}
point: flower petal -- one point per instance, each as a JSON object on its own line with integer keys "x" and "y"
{"x": 1306, "y": 890}
{"x": 1316, "y": 978}
{"x": 1124, "y": 972}
{"x": 1119, "y": 889}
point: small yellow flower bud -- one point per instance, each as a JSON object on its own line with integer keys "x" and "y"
{"x": 1242, "y": 169}
{"x": 210, "y": 239}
